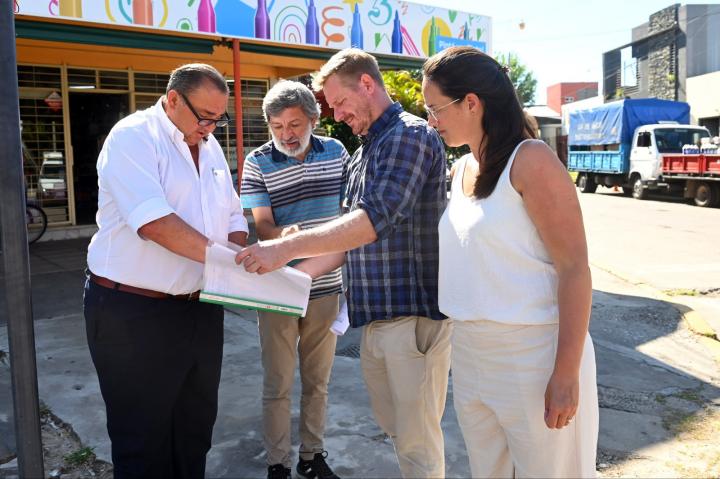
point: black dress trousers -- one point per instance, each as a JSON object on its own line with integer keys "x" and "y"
{"x": 158, "y": 363}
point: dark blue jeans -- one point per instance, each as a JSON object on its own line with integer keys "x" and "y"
{"x": 158, "y": 362}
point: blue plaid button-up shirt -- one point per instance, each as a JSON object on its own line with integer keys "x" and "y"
{"x": 398, "y": 178}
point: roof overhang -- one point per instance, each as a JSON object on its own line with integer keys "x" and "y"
{"x": 287, "y": 59}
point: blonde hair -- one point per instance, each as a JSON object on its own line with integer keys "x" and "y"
{"x": 348, "y": 64}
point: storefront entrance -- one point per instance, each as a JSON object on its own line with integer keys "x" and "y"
{"x": 66, "y": 114}
{"x": 92, "y": 115}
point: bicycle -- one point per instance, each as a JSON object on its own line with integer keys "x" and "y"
{"x": 36, "y": 221}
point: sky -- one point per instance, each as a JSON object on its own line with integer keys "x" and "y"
{"x": 562, "y": 40}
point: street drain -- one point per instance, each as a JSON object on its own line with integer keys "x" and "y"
{"x": 351, "y": 351}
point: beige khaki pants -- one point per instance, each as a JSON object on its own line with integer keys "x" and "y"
{"x": 282, "y": 338}
{"x": 500, "y": 373}
{"x": 406, "y": 363}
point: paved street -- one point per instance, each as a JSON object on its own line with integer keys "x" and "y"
{"x": 663, "y": 243}
{"x": 667, "y": 244}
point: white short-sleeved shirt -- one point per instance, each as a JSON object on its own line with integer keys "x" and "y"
{"x": 146, "y": 172}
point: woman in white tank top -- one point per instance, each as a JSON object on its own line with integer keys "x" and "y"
{"x": 515, "y": 280}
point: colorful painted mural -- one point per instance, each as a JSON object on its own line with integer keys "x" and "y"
{"x": 381, "y": 26}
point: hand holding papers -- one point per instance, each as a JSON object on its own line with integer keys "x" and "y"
{"x": 265, "y": 256}
{"x": 284, "y": 291}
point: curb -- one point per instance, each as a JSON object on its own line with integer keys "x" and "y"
{"x": 694, "y": 320}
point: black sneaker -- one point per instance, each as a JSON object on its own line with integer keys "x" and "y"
{"x": 316, "y": 468}
{"x": 278, "y": 471}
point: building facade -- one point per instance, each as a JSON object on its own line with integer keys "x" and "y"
{"x": 85, "y": 64}
{"x": 560, "y": 94}
{"x": 670, "y": 57}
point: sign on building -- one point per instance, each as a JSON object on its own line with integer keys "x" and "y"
{"x": 380, "y": 26}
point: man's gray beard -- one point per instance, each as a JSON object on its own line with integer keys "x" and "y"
{"x": 304, "y": 143}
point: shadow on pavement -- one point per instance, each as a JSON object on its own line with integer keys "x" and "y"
{"x": 654, "y": 380}
{"x": 651, "y": 376}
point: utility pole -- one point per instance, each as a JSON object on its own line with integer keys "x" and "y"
{"x": 13, "y": 234}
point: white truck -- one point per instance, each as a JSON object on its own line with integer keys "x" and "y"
{"x": 638, "y": 145}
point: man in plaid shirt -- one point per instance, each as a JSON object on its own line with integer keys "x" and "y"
{"x": 396, "y": 194}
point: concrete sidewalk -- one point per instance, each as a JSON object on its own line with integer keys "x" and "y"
{"x": 700, "y": 312}
{"x": 648, "y": 365}
{"x": 68, "y": 384}
{"x": 357, "y": 448}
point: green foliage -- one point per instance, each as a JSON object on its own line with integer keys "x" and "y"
{"x": 44, "y": 409}
{"x": 523, "y": 79}
{"x": 406, "y": 87}
{"x": 454, "y": 153}
{"x": 81, "y": 456}
{"x": 340, "y": 131}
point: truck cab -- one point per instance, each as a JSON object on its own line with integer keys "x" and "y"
{"x": 650, "y": 142}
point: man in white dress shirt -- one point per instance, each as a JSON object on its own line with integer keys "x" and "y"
{"x": 165, "y": 195}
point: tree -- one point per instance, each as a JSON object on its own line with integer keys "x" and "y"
{"x": 341, "y": 132}
{"x": 523, "y": 79}
{"x": 406, "y": 87}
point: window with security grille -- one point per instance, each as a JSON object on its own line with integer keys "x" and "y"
{"x": 151, "y": 86}
{"x": 90, "y": 79}
{"x": 148, "y": 88}
{"x": 43, "y": 139}
{"x": 255, "y": 131}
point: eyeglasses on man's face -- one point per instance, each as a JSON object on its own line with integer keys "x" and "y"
{"x": 219, "y": 123}
{"x": 433, "y": 112}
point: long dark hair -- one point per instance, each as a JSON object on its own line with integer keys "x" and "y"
{"x": 458, "y": 71}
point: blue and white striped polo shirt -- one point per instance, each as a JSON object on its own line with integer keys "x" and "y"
{"x": 306, "y": 193}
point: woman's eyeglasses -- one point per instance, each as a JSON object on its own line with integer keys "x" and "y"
{"x": 434, "y": 111}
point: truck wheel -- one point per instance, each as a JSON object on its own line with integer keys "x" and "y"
{"x": 586, "y": 183}
{"x": 627, "y": 190}
{"x": 705, "y": 195}
{"x": 638, "y": 192}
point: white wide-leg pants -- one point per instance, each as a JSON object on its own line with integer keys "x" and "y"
{"x": 500, "y": 373}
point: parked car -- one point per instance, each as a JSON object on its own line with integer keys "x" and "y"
{"x": 52, "y": 179}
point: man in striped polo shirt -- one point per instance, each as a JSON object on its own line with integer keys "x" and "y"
{"x": 295, "y": 182}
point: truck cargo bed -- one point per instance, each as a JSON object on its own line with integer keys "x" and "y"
{"x": 691, "y": 165}
{"x": 610, "y": 162}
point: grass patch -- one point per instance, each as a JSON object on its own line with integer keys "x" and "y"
{"x": 680, "y": 423}
{"x": 682, "y": 292}
{"x": 44, "y": 409}
{"x": 689, "y": 395}
{"x": 81, "y": 456}
{"x": 660, "y": 399}
{"x": 702, "y": 425}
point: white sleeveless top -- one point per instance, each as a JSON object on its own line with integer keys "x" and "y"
{"x": 493, "y": 264}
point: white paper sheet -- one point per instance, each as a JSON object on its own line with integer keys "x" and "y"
{"x": 342, "y": 321}
{"x": 284, "y": 291}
